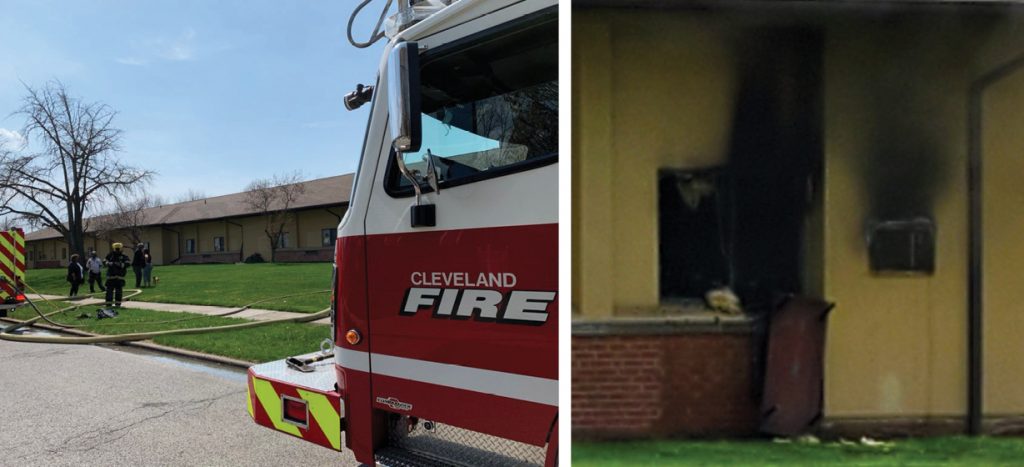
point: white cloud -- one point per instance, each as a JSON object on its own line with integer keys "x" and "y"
{"x": 131, "y": 61}
{"x": 180, "y": 48}
{"x": 12, "y": 138}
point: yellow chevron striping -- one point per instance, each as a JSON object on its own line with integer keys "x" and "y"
{"x": 325, "y": 415}
{"x": 19, "y": 253}
{"x": 6, "y": 246}
{"x": 271, "y": 403}
{"x": 248, "y": 401}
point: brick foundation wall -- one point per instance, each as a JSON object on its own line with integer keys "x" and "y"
{"x": 295, "y": 256}
{"x": 662, "y": 381}
{"x": 46, "y": 263}
{"x": 208, "y": 258}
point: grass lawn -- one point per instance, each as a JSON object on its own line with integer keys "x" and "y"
{"x": 260, "y": 344}
{"x": 953, "y": 451}
{"x": 218, "y": 284}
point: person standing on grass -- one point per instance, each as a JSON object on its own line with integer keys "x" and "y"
{"x": 95, "y": 267}
{"x": 76, "y": 274}
{"x": 117, "y": 266}
{"x": 147, "y": 270}
{"x": 138, "y": 263}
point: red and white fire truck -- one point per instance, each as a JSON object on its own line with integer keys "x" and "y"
{"x": 12, "y": 270}
{"x": 445, "y": 291}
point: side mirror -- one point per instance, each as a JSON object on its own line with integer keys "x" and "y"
{"x": 405, "y": 122}
{"x": 404, "y": 118}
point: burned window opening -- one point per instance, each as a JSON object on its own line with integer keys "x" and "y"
{"x": 748, "y": 233}
{"x": 693, "y": 220}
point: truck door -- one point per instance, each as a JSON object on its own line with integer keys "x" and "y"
{"x": 463, "y": 315}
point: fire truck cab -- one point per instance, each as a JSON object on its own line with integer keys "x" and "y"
{"x": 445, "y": 291}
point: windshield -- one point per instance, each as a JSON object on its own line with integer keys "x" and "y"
{"x": 489, "y": 108}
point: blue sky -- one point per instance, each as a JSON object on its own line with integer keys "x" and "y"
{"x": 210, "y": 94}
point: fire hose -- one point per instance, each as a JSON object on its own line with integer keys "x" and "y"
{"x": 7, "y": 333}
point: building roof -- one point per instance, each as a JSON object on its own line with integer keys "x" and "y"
{"x": 322, "y": 192}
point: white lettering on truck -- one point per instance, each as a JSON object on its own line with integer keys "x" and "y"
{"x": 494, "y": 280}
{"x": 514, "y": 307}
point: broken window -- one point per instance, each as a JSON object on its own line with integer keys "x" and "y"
{"x": 693, "y": 245}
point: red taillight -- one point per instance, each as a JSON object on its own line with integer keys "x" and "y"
{"x": 20, "y": 298}
{"x": 295, "y": 411}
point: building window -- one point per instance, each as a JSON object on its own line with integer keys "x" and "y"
{"x": 218, "y": 243}
{"x": 63, "y": 252}
{"x": 282, "y": 240}
{"x": 190, "y": 245}
{"x": 328, "y": 237}
{"x": 695, "y": 245}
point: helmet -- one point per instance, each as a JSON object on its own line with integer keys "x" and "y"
{"x": 117, "y": 246}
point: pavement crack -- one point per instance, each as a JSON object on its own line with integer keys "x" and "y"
{"x": 95, "y": 438}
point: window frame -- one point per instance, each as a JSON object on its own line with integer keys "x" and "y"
{"x": 331, "y": 234}
{"x": 391, "y": 173}
{"x": 190, "y": 246}
{"x": 222, "y": 247}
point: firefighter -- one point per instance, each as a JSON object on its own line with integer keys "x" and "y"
{"x": 117, "y": 265}
{"x": 138, "y": 263}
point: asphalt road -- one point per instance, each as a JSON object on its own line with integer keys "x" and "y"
{"x": 88, "y": 405}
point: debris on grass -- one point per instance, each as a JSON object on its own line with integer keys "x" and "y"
{"x": 805, "y": 439}
{"x": 871, "y": 443}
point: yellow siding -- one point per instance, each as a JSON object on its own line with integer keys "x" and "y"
{"x": 660, "y": 105}
{"x": 896, "y": 345}
{"x": 312, "y": 222}
{"x": 1003, "y": 221}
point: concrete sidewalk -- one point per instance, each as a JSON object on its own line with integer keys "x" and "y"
{"x": 254, "y": 314}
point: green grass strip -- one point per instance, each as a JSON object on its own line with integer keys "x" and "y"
{"x": 945, "y": 451}
{"x": 218, "y": 284}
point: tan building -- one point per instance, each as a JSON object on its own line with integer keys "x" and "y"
{"x": 781, "y": 147}
{"x": 221, "y": 229}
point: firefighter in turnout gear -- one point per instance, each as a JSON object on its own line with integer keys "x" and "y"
{"x": 117, "y": 265}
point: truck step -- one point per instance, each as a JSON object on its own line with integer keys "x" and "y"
{"x": 395, "y": 457}
{"x": 439, "y": 444}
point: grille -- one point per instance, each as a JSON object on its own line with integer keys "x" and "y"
{"x": 449, "y": 445}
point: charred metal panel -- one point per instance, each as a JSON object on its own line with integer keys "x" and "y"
{"x": 794, "y": 368}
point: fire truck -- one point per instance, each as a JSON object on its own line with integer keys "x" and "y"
{"x": 12, "y": 270}
{"x": 445, "y": 303}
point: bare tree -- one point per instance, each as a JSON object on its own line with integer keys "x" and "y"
{"x": 77, "y": 163}
{"x": 274, "y": 199}
{"x": 191, "y": 195}
{"x": 8, "y": 223}
{"x": 128, "y": 219}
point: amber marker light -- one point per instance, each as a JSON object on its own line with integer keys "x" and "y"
{"x": 353, "y": 337}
